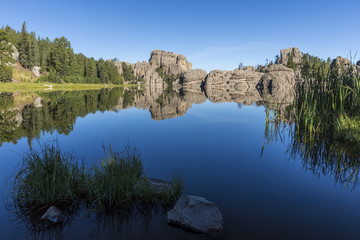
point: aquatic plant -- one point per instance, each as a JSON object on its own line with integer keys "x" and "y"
{"x": 48, "y": 177}
{"x": 323, "y": 121}
{"x": 116, "y": 183}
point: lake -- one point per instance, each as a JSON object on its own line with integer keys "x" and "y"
{"x": 219, "y": 141}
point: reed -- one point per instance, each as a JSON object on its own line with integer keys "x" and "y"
{"x": 323, "y": 125}
{"x": 116, "y": 183}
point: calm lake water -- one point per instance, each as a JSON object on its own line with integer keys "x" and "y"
{"x": 218, "y": 143}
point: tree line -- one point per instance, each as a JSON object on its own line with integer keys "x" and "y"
{"x": 57, "y": 60}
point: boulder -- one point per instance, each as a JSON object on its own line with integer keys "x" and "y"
{"x": 15, "y": 53}
{"x": 197, "y": 214}
{"x": 341, "y": 62}
{"x": 36, "y": 71}
{"x": 195, "y": 77}
{"x": 277, "y": 83}
{"x": 218, "y": 77}
{"x": 286, "y": 54}
{"x": 157, "y": 185}
{"x": 246, "y": 77}
{"x": 54, "y": 215}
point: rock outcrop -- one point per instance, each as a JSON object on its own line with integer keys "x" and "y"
{"x": 196, "y": 213}
{"x": 193, "y": 78}
{"x": 278, "y": 81}
{"x": 148, "y": 73}
{"x": 15, "y": 53}
{"x": 238, "y": 77}
{"x": 287, "y": 54}
{"x": 171, "y": 62}
{"x": 341, "y": 62}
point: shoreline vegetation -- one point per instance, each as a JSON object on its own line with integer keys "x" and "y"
{"x": 117, "y": 183}
{"x": 42, "y": 60}
{"x": 48, "y": 86}
{"x": 323, "y": 122}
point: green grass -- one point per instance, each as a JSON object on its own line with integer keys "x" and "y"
{"x": 21, "y": 87}
{"x": 323, "y": 125}
{"x": 21, "y": 74}
{"x": 48, "y": 177}
{"x": 348, "y": 128}
{"x": 117, "y": 183}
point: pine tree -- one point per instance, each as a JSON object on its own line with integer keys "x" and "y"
{"x": 33, "y": 51}
{"x": 24, "y": 47}
{"x": 5, "y": 57}
{"x": 44, "y": 52}
{"x": 61, "y": 56}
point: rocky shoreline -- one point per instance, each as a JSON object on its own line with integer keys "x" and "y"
{"x": 273, "y": 79}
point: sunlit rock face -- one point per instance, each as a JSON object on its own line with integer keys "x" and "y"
{"x": 278, "y": 84}
{"x": 290, "y": 53}
{"x": 233, "y": 86}
{"x": 148, "y": 73}
{"x": 170, "y": 63}
{"x": 193, "y": 78}
{"x": 173, "y": 63}
{"x": 238, "y": 77}
{"x": 340, "y": 61}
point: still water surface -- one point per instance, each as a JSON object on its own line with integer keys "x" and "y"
{"x": 216, "y": 146}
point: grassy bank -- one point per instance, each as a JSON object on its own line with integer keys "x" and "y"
{"x": 117, "y": 183}
{"x": 32, "y": 86}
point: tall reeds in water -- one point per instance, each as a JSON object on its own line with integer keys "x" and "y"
{"x": 324, "y": 119}
{"x": 117, "y": 183}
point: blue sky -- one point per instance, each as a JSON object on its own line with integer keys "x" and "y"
{"x": 211, "y": 34}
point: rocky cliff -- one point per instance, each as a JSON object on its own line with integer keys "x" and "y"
{"x": 168, "y": 63}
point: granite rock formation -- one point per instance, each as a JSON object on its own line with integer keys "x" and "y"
{"x": 172, "y": 63}
{"x": 278, "y": 82}
{"x": 193, "y": 77}
{"x": 287, "y": 54}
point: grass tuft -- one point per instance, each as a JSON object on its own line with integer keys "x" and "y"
{"x": 117, "y": 183}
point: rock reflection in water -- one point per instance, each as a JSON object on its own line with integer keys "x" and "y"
{"x": 27, "y": 115}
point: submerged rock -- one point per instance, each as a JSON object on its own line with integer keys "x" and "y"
{"x": 196, "y": 213}
{"x": 54, "y": 215}
{"x": 158, "y": 185}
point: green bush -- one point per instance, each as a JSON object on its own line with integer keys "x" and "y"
{"x": 5, "y": 73}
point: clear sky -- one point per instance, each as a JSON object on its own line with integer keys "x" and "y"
{"x": 212, "y": 34}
